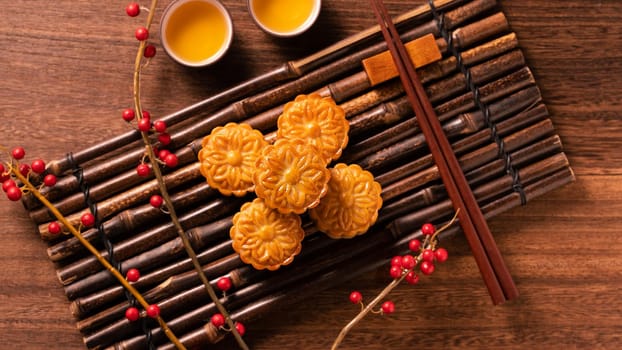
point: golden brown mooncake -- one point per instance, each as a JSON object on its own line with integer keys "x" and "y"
{"x": 317, "y": 120}
{"x": 351, "y": 203}
{"x": 264, "y": 237}
{"x": 291, "y": 176}
{"x": 228, "y": 158}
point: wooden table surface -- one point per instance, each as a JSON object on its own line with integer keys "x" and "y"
{"x": 65, "y": 75}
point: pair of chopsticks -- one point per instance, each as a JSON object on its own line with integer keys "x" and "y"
{"x": 487, "y": 256}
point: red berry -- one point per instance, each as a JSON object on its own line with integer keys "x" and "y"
{"x": 240, "y": 328}
{"x": 24, "y": 169}
{"x": 54, "y": 228}
{"x": 144, "y": 124}
{"x": 159, "y": 126}
{"x": 153, "y": 311}
{"x": 396, "y": 261}
{"x": 14, "y": 193}
{"x": 132, "y": 314}
{"x": 164, "y": 138}
{"x": 146, "y": 114}
{"x": 132, "y": 9}
{"x": 224, "y": 284}
{"x": 156, "y": 201}
{"x": 218, "y": 320}
{"x": 38, "y": 166}
{"x": 150, "y": 51}
{"x": 163, "y": 153}
{"x": 388, "y": 307}
{"x": 141, "y": 33}
{"x": 171, "y": 160}
{"x": 128, "y": 114}
{"x": 18, "y": 153}
{"x": 132, "y": 275}
{"x": 143, "y": 170}
{"x": 356, "y": 297}
{"x": 414, "y": 245}
{"x": 428, "y": 229}
{"x": 395, "y": 272}
{"x": 49, "y": 180}
{"x": 408, "y": 262}
{"x": 87, "y": 219}
{"x": 412, "y": 277}
{"x": 441, "y": 255}
{"x": 426, "y": 268}
{"x": 3, "y": 175}
{"x": 8, "y": 184}
{"x": 427, "y": 255}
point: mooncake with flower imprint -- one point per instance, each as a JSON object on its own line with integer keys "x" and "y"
{"x": 317, "y": 120}
{"x": 291, "y": 176}
{"x": 351, "y": 203}
{"x": 228, "y": 156}
{"x": 264, "y": 237}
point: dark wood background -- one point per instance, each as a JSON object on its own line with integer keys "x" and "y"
{"x": 65, "y": 75}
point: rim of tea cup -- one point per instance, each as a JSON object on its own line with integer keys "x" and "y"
{"x": 315, "y": 12}
{"x": 169, "y": 10}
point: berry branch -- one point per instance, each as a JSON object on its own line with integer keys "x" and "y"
{"x": 22, "y": 172}
{"x": 169, "y": 159}
{"x": 402, "y": 268}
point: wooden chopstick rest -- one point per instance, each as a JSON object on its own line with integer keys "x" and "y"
{"x": 422, "y": 51}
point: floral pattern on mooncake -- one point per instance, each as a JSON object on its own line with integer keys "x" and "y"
{"x": 317, "y": 120}
{"x": 265, "y": 238}
{"x": 228, "y": 158}
{"x": 291, "y": 176}
{"x": 351, "y": 204}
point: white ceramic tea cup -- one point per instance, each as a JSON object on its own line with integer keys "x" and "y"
{"x": 284, "y": 10}
{"x": 181, "y": 21}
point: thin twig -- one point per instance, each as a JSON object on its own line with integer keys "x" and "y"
{"x": 32, "y": 189}
{"x": 366, "y": 310}
{"x": 429, "y": 243}
{"x": 164, "y": 192}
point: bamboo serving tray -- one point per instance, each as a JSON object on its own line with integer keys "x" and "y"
{"x": 524, "y": 161}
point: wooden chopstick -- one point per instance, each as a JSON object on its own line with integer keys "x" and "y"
{"x": 487, "y": 256}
